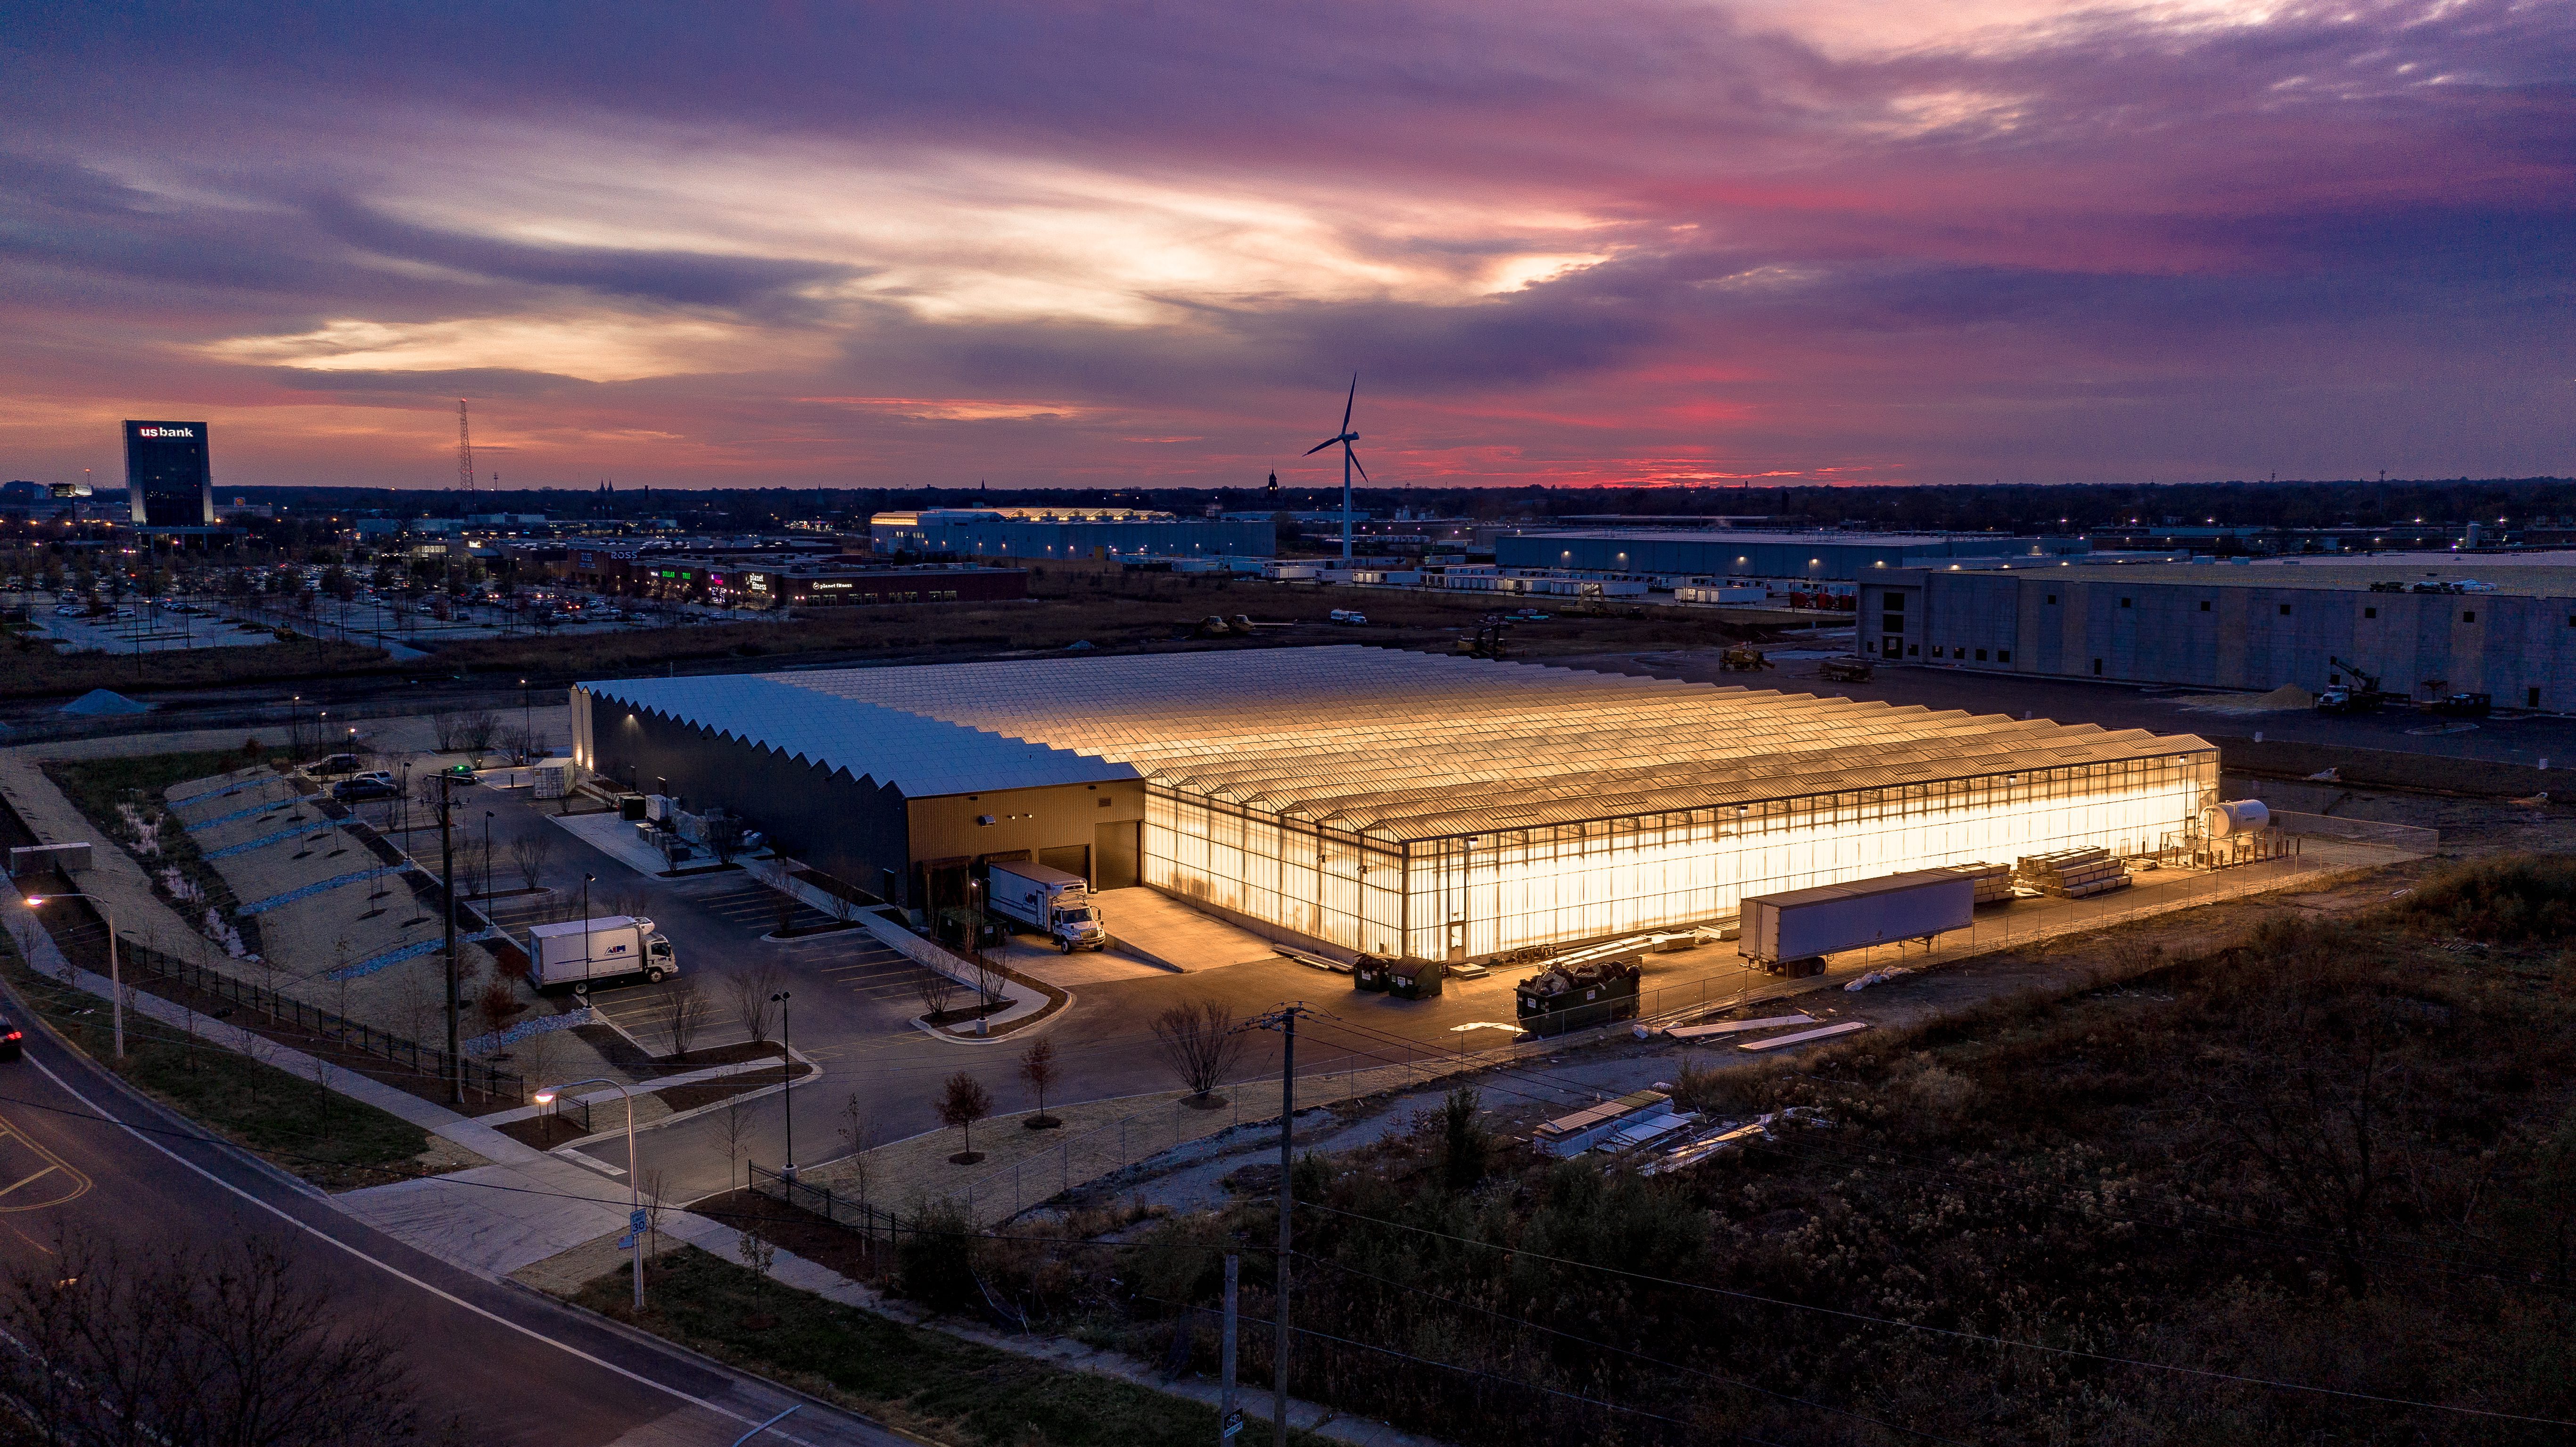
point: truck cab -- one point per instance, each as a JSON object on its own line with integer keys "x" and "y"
{"x": 1078, "y": 927}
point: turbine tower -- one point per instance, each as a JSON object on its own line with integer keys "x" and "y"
{"x": 464, "y": 450}
{"x": 1350, "y": 460}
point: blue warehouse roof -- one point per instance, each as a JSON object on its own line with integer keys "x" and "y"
{"x": 922, "y": 757}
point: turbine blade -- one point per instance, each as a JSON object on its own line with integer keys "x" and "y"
{"x": 1355, "y": 459}
{"x": 1350, "y": 401}
{"x": 1320, "y": 446}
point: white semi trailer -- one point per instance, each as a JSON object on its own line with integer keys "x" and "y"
{"x": 1790, "y": 933}
{"x": 1053, "y": 902}
{"x": 608, "y": 947}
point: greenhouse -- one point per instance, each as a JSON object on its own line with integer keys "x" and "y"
{"x": 1446, "y": 808}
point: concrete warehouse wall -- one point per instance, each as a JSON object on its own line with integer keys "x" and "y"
{"x": 2225, "y": 633}
{"x": 1757, "y": 555}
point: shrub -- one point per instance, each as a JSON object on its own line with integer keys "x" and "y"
{"x": 934, "y": 1263}
{"x": 2512, "y": 900}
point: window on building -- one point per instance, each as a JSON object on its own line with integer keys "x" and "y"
{"x": 2204, "y": 605}
{"x": 1913, "y": 650}
{"x": 2124, "y": 602}
{"x": 2097, "y": 668}
{"x": 2285, "y": 610}
{"x": 2003, "y": 655}
{"x": 2052, "y": 597}
{"x": 2531, "y": 698}
{"x": 1981, "y": 655}
{"x": 2373, "y": 613}
{"x": 2469, "y": 617}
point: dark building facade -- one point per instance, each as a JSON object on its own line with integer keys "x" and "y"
{"x": 168, "y": 479}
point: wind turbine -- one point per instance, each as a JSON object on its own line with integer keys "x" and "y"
{"x": 1350, "y": 460}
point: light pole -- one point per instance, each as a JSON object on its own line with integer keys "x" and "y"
{"x": 634, "y": 1190}
{"x": 586, "y": 881}
{"x": 115, "y": 977}
{"x": 786, "y": 1083}
{"x": 527, "y": 724}
{"x": 487, "y": 859}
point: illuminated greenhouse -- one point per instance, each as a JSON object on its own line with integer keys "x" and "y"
{"x": 1404, "y": 803}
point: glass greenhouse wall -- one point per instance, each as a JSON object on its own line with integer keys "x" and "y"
{"x": 1478, "y": 894}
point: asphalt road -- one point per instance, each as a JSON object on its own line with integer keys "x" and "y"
{"x": 511, "y": 1365}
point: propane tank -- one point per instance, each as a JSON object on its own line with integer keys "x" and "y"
{"x": 2234, "y": 816}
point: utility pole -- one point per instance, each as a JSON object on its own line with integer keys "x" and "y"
{"x": 1229, "y": 1417}
{"x": 1284, "y": 1020}
{"x": 447, "y": 896}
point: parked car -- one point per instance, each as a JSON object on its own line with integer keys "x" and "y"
{"x": 13, "y": 1041}
{"x": 373, "y": 784}
{"x": 335, "y": 765}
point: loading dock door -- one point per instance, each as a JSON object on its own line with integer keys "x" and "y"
{"x": 1114, "y": 852}
{"x": 1071, "y": 858}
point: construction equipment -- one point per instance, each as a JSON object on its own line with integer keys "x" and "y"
{"x": 1744, "y": 658}
{"x": 1845, "y": 670}
{"x": 1488, "y": 639}
{"x": 2463, "y": 705}
{"x": 2362, "y": 695}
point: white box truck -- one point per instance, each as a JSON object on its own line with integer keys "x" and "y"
{"x": 1791, "y": 933}
{"x": 1050, "y": 901}
{"x": 609, "y": 947}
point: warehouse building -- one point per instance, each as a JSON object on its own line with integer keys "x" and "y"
{"x": 1024, "y": 534}
{"x": 1378, "y": 801}
{"x": 1728, "y": 552}
{"x": 2423, "y": 628}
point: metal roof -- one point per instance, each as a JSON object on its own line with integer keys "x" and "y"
{"x": 921, "y": 756}
{"x": 1392, "y": 744}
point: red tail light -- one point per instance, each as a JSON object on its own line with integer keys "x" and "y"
{"x": 12, "y": 1035}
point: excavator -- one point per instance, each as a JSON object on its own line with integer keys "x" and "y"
{"x": 1744, "y": 658}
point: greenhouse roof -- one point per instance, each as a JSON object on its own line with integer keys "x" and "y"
{"x": 1394, "y": 744}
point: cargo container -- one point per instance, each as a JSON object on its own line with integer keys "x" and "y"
{"x": 608, "y": 947}
{"x": 1792, "y": 932}
{"x": 1054, "y": 901}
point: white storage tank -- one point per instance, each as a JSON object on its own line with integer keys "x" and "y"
{"x": 2234, "y": 816}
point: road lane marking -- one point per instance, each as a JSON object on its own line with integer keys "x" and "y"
{"x": 397, "y": 1272}
{"x": 77, "y": 1183}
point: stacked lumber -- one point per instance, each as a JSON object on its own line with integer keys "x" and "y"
{"x": 1994, "y": 881}
{"x": 2072, "y": 873}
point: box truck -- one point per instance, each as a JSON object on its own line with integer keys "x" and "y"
{"x": 609, "y": 947}
{"x": 1791, "y": 933}
{"x": 1051, "y": 901}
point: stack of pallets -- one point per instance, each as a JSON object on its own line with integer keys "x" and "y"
{"x": 1994, "y": 881}
{"x": 2072, "y": 873}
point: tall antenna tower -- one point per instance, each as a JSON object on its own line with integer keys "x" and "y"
{"x": 464, "y": 449}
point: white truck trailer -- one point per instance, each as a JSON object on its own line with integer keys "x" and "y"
{"x": 608, "y": 947}
{"x": 1791, "y": 933}
{"x": 1051, "y": 901}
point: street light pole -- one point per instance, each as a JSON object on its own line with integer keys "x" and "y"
{"x": 115, "y": 976}
{"x": 447, "y": 900}
{"x": 634, "y": 1189}
{"x": 786, "y": 1081}
{"x": 487, "y": 859}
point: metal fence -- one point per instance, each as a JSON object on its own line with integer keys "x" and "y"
{"x": 354, "y": 1034}
{"x": 873, "y": 1223}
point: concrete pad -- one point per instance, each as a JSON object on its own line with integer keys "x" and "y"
{"x": 1152, "y": 926}
{"x": 498, "y": 1218}
{"x": 1090, "y": 967}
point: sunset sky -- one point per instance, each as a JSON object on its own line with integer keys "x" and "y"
{"x": 1575, "y": 243}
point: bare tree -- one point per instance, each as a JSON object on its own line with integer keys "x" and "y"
{"x": 194, "y": 1343}
{"x": 733, "y": 1126}
{"x": 752, "y": 1007}
{"x": 445, "y": 727}
{"x": 962, "y": 1102}
{"x": 529, "y": 853}
{"x": 1039, "y": 1069}
{"x": 689, "y": 1010}
{"x": 859, "y": 1131}
{"x": 991, "y": 981}
{"x": 474, "y": 731}
{"x": 936, "y": 991}
{"x": 655, "y": 1188}
{"x": 1201, "y": 1044}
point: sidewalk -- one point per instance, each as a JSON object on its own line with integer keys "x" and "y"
{"x": 473, "y": 1135}
{"x": 568, "y": 1271}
